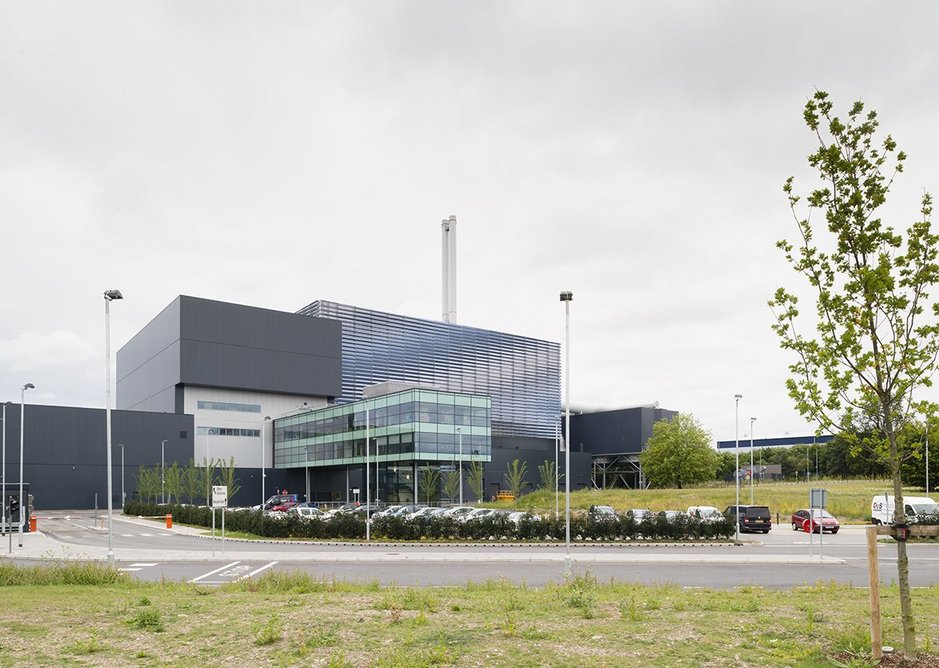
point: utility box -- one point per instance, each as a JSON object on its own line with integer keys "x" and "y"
{"x": 11, "y": 500}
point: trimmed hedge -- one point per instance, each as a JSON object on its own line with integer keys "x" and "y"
{"x": 493, "y": 527}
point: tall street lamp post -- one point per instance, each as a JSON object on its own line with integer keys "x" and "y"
{"x": 263, "y": 469}
{"x": 27, "y": 386}
{"x": 737, "y": 398}
{"x": 3, "y": 499}
{"x": 163, "y": 471}
{"x": 109, "y": 296}
{"x": 368, "y": 482}
{"x": 121, "y": 446}
{"x": 459, "y": 433}
{"x": 752, "y": 420}
{"x": 567, "y": 296}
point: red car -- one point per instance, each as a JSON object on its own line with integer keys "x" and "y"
{"x": 821, "y": 521}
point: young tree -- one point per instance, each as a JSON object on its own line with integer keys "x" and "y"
{"x": 547, "y": 473}
{"x": 474, "y": 479}
{"x": 227, "y": 477}
{"x": 451, "y": 485}
{"x": 876, "y": 336}
{"x": 173, "y": 482}
{"x": 430, "y": 482}
{"x": 679, "y": 453}
{"x": 515, "y": 477}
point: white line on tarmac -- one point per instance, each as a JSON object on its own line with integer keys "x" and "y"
{"x": 255, "y": 572}
{"x": 217, "y": 570}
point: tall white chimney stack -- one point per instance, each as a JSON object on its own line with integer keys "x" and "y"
{"x": 448, "y": 274}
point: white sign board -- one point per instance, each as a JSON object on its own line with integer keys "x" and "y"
{"x": 219, "y": 496}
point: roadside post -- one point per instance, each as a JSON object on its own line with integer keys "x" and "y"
{"x": 219, "y": 500}
{"x": 818, "y": 498}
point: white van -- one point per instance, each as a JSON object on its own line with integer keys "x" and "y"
{"x": 916, "y": 507}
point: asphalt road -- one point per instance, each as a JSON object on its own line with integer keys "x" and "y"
{"x": 782, "y": 558}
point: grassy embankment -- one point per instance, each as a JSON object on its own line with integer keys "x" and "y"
{"x": 293, "y": 620}
{"x": 848, "y": 500}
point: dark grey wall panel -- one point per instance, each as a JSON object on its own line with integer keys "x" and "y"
{"x": 146, "y": 386}
{"x": 253, "y": 327}
{"x": 216, "y": 344}
{"x": 228, "y": 366}
{"x": 235, "y": 346}
{"x": 65, "y": 451}
{"x": 149, "y": 363}
{"x": 622, "y": 431}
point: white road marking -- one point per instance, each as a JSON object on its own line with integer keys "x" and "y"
{"x": 143, "y": 564}
{"x": 217, "y": 570}
{"x": 256, "y": 571}
{"x": 129, "y": 569}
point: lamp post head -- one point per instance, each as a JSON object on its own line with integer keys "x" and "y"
{"x": 111, "y": 295}
{"x": 267, "y": 417}
{"x": 567, "y": 296}
{"x": 738, "y": 397}
{"x": 29, "y": 386}
{"x": 752, "y": 420}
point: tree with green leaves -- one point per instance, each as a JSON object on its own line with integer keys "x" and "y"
{"x": 172, "y": 478}
{"x": 548, "y": 475}
{"x": 679, "y": 453}
{"x": 430, "y": 482}
{"x": 227, "y": 477}
{"x": 515, "y": 475}
{"x": 192, "y": 478}
{"x": 148, "y": 483}
{"x": 475, "y": 479}
{"x": 451, "y": 484}
{"x": 876, "y": 335}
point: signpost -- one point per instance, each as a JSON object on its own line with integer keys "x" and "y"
{"x": 219, "y": 500}
{"x": 818, "y": 498}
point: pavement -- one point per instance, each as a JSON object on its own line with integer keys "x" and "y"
{"x": 39, "y": 546}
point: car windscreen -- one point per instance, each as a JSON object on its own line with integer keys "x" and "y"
{"x": 926, "y": 508}
{"x": 761, "y": 512}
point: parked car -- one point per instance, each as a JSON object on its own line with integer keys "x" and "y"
{"x": 750, "y": 518}
{"x": 601, "y": 513}
{"x": 277, "y": 500}
{"x": 459, "y": 513}
{"x": 369, "y": 510}
{"x": 705, "y": 513}
{"x": 306, "y": 510}
{"x": 283, "y": 507}
{"x": 639, "y": 514}
{"x": 672, "y": 515}
{"x": 821, "y": 521}
{"x": 516, "y": 517}
{"x": 405, "y": 512}
{"x": 390, "y": 510}
{"x": 478, "y": 513}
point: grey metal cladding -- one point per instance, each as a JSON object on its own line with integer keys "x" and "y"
{"x": 65, "y": 454}
{"x": 244, "y": 347}
{"x": 148, "y": 364}
{"x": 141, "y": 388}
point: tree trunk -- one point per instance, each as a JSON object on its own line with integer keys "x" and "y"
{"x": 903, "y": 563}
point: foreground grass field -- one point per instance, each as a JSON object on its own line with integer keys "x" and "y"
{"x": 849, "y": 500}
{"x": 293, "y": 620}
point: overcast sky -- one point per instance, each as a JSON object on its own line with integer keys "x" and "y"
{"x": 274, "y": 153}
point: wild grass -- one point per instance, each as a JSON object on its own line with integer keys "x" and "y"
{"x": 292, "y": 621}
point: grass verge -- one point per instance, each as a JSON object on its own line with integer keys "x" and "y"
{"x": 291, "y": 619}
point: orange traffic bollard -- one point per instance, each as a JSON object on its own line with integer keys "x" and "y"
{"x": 169, "y": 521}
{"x": 32, "y": 523}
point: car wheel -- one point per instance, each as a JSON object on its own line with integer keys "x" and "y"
{"x": 765, "y": 530}
{"x": 834, "y": 531}
{"x": 795, "y": 527}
